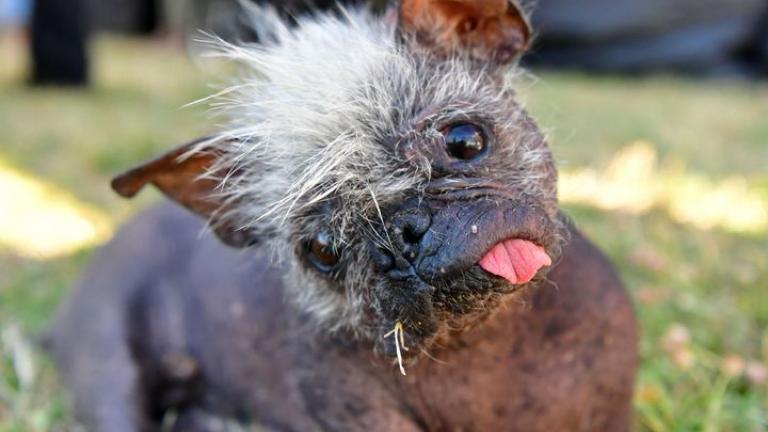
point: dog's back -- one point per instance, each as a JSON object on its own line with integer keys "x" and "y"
{"x": 158, "y": 304}
{"x": 89, "y": 337}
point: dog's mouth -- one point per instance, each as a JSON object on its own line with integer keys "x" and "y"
{"x": 507, "y": 265}
{"x": 516, "y": 260}
{"x": 471, "y": 257}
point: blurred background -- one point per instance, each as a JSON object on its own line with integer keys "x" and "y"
{"x": 657, "y": 112}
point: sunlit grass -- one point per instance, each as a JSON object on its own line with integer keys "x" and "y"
{"x": 668, "y": 176}
{"x": 634, "y": 182}
{"x": 38, "y": 220}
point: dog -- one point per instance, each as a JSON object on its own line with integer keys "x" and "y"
{"x": 380, "y": 248}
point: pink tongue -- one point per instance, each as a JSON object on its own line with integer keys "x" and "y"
{"x": 515, "y": 260}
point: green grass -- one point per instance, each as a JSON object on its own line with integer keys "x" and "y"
{"x": 701, "y": 294}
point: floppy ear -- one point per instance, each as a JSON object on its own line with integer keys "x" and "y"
{"x": 190, "y": 177}
{"x": 484, "y": 30}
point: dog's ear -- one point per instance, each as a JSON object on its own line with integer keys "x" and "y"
{"x": 494, "y": 31}
{"x": 191, "y": 176}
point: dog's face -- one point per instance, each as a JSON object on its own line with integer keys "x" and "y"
{"x": 388, "y": 163}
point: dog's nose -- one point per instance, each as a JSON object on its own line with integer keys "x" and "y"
{"x": 407, "y": 229}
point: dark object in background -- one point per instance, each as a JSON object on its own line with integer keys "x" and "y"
{"x": 141, "y": 17}
{"x": 706, "y": 37}
{"x": 757, "y": 52}
{"x": 58, "y": 43}
{"x": 149, "y": 12}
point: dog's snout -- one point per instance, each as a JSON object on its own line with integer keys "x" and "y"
{"x": 407, "y": 230}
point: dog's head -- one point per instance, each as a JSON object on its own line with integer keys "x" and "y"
{"x": 386, "y": 160}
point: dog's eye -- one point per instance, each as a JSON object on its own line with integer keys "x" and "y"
{"x": 464, "y": 141}
{"x": 321, "y": 253}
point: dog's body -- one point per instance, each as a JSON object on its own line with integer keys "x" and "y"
{"x": 398, "y": 210}
{"x": 208, "y": 331}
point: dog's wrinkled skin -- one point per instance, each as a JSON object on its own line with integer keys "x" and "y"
{"x": 340, "y": 139}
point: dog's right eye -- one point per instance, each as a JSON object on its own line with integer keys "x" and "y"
{"x": 322, "y": 254}
{"x": 464, "y": 141}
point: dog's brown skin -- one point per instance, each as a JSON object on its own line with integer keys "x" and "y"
{"x": 559, "y": 357}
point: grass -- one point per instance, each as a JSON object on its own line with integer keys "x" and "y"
{"x": 698, "y": 271}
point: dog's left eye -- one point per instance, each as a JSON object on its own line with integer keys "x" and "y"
{"x": 464, "y": 141}
{"x": 321, "y": 253}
